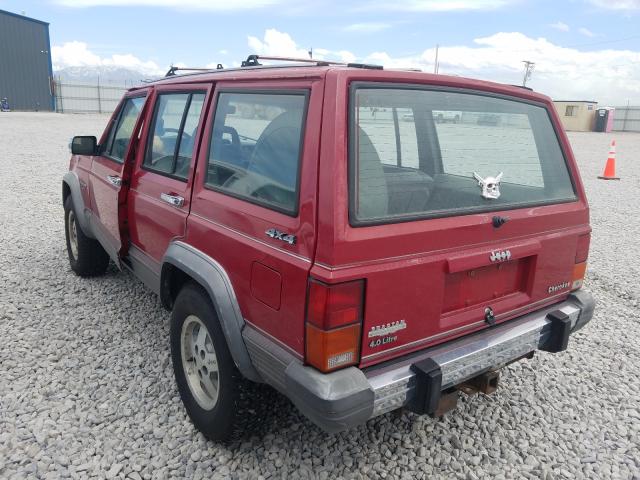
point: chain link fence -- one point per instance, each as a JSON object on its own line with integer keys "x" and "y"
{"x": 98, "y": 98}
{"x": 86, "y": 97}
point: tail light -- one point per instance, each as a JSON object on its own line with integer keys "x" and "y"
{"x": 580, "y": 267}
{"x": 577, "y": 279}
{"x": 333, "y": 325}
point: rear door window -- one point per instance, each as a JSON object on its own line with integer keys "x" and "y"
{"x": 419, "y": 153}
{"x": 120, "y": 135}
{"x": 172, "y": 135}
{"x": 255, "y": 148}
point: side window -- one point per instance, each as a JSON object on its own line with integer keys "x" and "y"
{"x": 392, "y": 132}
{"x": 255, "y": 148}
{"x": 120, "y": 135}
{"x": 172, "y": 134}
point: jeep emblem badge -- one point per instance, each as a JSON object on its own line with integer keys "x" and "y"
{"x": 500, "y": 255}
{"x": 490, "y": 186}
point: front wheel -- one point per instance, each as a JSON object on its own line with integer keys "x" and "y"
{"x": 86, "y": 256}
{"x": 209, "y": 383}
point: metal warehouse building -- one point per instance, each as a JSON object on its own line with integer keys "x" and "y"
{"x": 25, "y": 62}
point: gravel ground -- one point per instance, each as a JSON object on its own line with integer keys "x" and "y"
{"x": 87, "y": 390}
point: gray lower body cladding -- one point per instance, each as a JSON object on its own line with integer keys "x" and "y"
{"x": 346, "y": 398}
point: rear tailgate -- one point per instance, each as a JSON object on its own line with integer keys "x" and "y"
{"x": 446, "y": 244}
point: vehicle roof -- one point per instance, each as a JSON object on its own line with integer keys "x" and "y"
{"x": 350, "y": 73}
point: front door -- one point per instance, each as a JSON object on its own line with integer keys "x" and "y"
{"x": 107, "y": 173}
{"x": 159, "y": 198}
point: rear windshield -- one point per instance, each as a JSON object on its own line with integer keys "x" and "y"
{"x": 417, "y": 153}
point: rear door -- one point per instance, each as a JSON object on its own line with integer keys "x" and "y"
{"x": 253, "y": 206}
{"x": 160, "y": 193}
{"x": 108, "y": 176}
{"x": 456, "y": 226}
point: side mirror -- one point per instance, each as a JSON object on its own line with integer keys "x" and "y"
{"x": 84, "y": 145}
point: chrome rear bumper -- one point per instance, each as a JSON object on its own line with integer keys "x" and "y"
{"x": 348, "y": 397}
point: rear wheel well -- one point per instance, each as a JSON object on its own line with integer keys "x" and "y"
{"x": 172, "y": 281}
{"x": 66, "y": 191}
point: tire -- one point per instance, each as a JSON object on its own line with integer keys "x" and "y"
{"x": 219, "y": 413}
{"x": 86, "y": 256}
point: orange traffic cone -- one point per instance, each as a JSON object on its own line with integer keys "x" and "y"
{"x": 610, "y": 167}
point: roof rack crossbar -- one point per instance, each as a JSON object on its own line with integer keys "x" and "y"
{"x": 253, "y": 60}
{"x": 172, "y": 70}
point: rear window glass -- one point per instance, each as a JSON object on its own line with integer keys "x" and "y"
{"x": 417, "y": 153}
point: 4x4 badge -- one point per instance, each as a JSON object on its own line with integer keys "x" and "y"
{"x": 278, "y": 235}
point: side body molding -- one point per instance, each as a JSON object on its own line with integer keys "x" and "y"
{"x": 83, "y": 214}
{"x": 214, "y": 279}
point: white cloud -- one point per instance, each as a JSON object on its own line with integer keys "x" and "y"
{"x": 586, "y": 32}
{"x": 215, "y": 5}
{"x": 279, "y": 44}
{"x": 563, "y": 27}
{"x": 617, "y": 4}
{"x": 438, "y": 5}
{"x": 77, "y": 54}
{"x": 609, "y": 76}
{"x": 367, "y": 27}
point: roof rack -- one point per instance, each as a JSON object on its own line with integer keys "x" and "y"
{"x": 172, "y": 70}
{"x": 253, "y": 61}
{"x": 522, "y": 86}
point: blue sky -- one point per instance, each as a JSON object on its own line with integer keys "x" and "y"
{"x": 582, "y": 48}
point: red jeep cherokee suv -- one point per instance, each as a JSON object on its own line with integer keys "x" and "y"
{"x": 316, "y": 228}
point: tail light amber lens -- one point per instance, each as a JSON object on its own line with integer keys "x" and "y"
{"x": 334, "y": 349}
{"x": 579, "y": 270}
{"x": 333, "y": 325}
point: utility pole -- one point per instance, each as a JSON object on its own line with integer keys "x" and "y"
{"x": 528, "y": 70}
{"x": 435, "y": 64}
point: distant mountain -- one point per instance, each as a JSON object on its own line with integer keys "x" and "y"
{"x": 105, "y": 74}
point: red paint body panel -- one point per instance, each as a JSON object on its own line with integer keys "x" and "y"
{"x": 266, "y": 285}
{"x": 153, "y": 223}
{"x": 420, "y": 271}
{"x": 233, "y": 231}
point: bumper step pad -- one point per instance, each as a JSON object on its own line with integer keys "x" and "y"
{"x": 428, "y": 387}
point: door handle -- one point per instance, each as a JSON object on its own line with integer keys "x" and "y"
{"x": 173, "y": 200}
{"x": 114, "y": 180}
